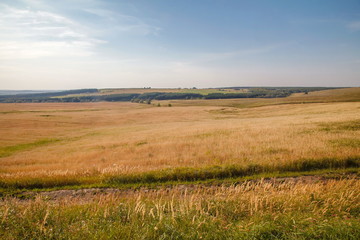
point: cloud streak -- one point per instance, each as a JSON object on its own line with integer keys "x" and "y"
{"x": 28, "y": 34}
{"x": 125, "y": 23}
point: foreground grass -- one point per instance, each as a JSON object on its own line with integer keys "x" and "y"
{"x": 261, "y": 210}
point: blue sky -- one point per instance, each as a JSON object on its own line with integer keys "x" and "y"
{"x": 67, "y": 44}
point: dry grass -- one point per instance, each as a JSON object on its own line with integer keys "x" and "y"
{"x": 63, "y": 144}
{"x": 103, "y": 138}
{"x": 254, "y": 210}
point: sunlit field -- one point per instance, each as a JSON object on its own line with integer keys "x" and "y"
{"x": 282, "y": 168}
{"x": 101, "y": 138}
{"x": 179, "y": 120}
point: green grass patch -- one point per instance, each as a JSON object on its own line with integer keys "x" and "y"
{"x": 212, "y": 134}
{"x": 341, "y": 126}
{"x": 9, "y": 150}
{"x": 346, "y": 142}
{"x": 141, "y": 143}
{"x": 9, "y": 112}
{"x": 80, "y": 222}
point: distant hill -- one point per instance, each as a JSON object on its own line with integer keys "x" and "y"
{"x": 17, "y": 92}
{"x": 96, "y": 95}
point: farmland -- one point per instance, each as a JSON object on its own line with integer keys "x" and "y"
{"x": 222, "y": 148}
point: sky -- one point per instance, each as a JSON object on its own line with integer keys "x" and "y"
{"x": 72, "y": 44}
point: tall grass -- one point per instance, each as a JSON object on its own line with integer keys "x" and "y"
{"x": 261, "y": 210}
{"x": 174, "y": 174}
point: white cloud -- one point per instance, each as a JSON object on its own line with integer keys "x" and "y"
{"x": 28, "y": 50}
{"x": 26, "y": 33}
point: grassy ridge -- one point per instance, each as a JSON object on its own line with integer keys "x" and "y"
{"x": 176, "y": 174}
{"x": 221, "y": 172}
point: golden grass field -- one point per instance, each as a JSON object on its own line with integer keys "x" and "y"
{"x": 46, "y": 139}
{"x": 105, "y": 170}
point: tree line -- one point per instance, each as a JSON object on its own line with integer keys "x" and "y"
{"x": 266, "y": 92}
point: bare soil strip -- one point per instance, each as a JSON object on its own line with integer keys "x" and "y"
{"x": 89, "y": 193}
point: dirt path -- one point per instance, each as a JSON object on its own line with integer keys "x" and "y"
{"x": 88, "y": 194}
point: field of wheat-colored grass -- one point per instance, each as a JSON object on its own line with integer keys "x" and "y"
{"x": 121, "y": 170}
{"x": 253, "y": 210}
{"x": 115, "y": 138}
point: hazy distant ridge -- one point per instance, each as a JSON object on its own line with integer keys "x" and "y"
{"x": 16, "y": 92}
